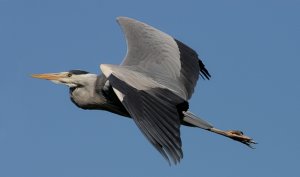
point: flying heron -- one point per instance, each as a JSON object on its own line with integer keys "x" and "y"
{"x": 152, "y": 86}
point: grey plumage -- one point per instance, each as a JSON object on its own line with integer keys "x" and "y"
{"x": 152, "y": 86}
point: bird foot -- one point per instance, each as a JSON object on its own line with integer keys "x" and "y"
{"x": 240, "y": 137}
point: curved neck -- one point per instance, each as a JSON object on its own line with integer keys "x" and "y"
{"x": 97, "y": 94}
{"x": 85, "y": 96}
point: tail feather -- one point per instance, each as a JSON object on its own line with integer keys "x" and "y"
{"x": 196, "y": 121}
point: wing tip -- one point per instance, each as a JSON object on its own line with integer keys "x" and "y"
{"x": 121, "y": 19}
{"x": 203, "y": 71}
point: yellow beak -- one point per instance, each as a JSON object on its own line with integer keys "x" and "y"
{"x": 49, "y": 76}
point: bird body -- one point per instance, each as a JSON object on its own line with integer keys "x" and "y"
{"x": 152, "y": 86}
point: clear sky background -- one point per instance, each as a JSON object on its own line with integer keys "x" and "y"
{"x": 251, "y": 48}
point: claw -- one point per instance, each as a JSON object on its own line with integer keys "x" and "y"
{"x": 239, "y": 136}
{"x": 236, "y": 135}
{"x": 250, "y": 144}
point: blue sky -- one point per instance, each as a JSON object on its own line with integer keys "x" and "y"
{"x": 251, "y": 48}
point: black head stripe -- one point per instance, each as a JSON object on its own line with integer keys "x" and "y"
{"x": 78, "y": 72}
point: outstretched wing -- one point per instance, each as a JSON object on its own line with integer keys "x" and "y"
{"x": 151, "y": 105}
{"x": 162, "y": 56}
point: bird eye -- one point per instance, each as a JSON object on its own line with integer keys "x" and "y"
{"x": 69, "y": 75}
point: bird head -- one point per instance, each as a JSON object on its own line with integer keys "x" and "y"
{"x": 72, "y": 78}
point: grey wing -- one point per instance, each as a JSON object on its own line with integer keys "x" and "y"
{"x": 162, "y": 56}
{"x": 152, "y": 107}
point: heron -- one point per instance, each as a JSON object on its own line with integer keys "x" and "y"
{"x": 152, "y": 86}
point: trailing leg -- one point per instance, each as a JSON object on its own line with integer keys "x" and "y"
{"x": 190, "y": 119}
